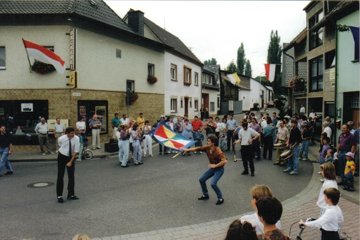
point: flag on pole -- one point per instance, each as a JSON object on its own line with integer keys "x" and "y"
{"x": 234, "y": 78}
{"x": 44, "y": 55}
{"x": 165, "y": 136}
{"x": 270, "y": 71}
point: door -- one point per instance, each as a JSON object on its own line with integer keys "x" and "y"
{"x": 205, "y": 97}
{"x": 186, "y": 106}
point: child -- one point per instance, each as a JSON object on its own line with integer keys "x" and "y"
{"x": 349, "y": 172}
{"x": 329, "y": 155}
{"x": 329, "y": 223}
{"x": 325, "y": 147}
{"x": 269, "y": 210}
{"x": 240, "y": 230}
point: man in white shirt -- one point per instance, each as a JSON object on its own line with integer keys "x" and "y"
{"x": 246, "y": 138}
{"x": 68, "y": 149}
{"x": 59, "y": 129}
{"x": 42, "y": 131}
{"x": 302, "y": 110}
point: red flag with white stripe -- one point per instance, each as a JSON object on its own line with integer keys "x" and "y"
{"x": 270, "y": 71}
{"x": 44, "y": 55}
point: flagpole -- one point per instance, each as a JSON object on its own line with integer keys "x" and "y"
{"x": 27, "y": 54}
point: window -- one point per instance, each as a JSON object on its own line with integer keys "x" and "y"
{"x": 130, "y": 84}
{"x": 316, "y": 36}
{"x": 88, "y": 108}
{"x": 196, "y": 79}
{"x": 316, "y": 74}
{"x": 173, "y": 105}
{"x": 196, "y": 104}
{"x": 212, "y": 107}
{"x": 187, "y": 76}
{"x": 118, "y": 53}
{"x": 173, "y": 72}
{"x": 151, "y": 69}
{"x": 2, "y": 58}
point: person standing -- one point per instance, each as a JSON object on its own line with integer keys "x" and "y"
{"x": 268, "y": 138}
{"x": 140, "y": 120}
{"x": 115, "y": 123}
{"x": 246, "y": 138}
{"x": 59, "y": 131}
{"x": 306, "y": 137}
{"x": 294, "y": 141}
{"x": 5, "y": 151}
{"x": 282, "y": 137}
{"x": 329, "y": 175}
{"x": 302, "y": 110}
{"x": 231, "y": 124}
{"x": 136, "y": 134}
{"x": 95, "y": 126}
{"x": 68, "y": 148}
{"x": 346, "y": 143}
{"x": 123, "y": 142}
{"x": 148, "y": 139}
{"x": 125, "y": 120}
{"x": 42, "y": 131}
{"x": 81, "y": 128}
{"x": 256, "y": 144}
{"x": 217, "y": 161}
{"x": 197, "y": 126}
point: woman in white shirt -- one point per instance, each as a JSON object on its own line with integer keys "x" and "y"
{"x": 329, "y": 175}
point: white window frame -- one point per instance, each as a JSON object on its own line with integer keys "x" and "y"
{"x": 196, "y": 104}
{"x": 173, "y": 105}
{"x": 173, "y": 72}
{"x": 4, "y": 66}
{"x": 196, "y": 79}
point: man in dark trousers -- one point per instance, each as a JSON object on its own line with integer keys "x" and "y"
{"x": 246, "y": 138}
{"x": 68, "y": 148}
{"x": 294, "y": 142}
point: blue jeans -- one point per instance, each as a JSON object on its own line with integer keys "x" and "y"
{"x": 304, "y": 152}
{"x": 4, "y": 159}
{"x": 341, "y": 164}
{"x": 293, "y": 162}
{"x": 216, "y": 174}
{"x": 123, "y": 151}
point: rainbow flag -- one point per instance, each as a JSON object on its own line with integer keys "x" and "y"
{"x": 165, "y": 136}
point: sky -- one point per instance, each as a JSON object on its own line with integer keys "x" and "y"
{"x": 215, "y": 29}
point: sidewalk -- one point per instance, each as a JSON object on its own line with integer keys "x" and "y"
{"x": 37, "y": 157}
{"x": 301, "y": 206}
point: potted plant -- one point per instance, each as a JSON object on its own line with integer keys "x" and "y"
{"x": 151, "y": 79}
{"x": 134, "y": 97}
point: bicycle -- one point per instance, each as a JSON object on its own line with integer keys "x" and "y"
{"x": 87, "y": 154}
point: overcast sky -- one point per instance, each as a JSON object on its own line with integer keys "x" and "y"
{"x": 215, "y": 29}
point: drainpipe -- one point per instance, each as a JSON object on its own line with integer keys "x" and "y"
{"x": 290, "y": 90}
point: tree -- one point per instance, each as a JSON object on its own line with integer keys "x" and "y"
{"x": 274, "y": 57}
{"x": 231, "y": 67}
{"x": 211, "y": 61}
{"x": 248, "y": 70}
{"x": 241, "y": 59}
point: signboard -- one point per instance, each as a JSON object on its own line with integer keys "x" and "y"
{"x": 27, "y": 107}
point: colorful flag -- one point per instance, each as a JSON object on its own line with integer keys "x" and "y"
{"x": 355, "y": 33}
{"x": 270, "y": 71}
{"x": 234, "y": 78}
{"x": 44, "y": 55}
{"x": 165, "y": 136}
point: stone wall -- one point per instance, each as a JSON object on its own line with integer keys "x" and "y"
{"x": 63, "y": 104}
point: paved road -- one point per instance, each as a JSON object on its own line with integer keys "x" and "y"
{"x": 115, "y": 201}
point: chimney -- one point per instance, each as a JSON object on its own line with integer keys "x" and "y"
{"x": 136, "y": 21}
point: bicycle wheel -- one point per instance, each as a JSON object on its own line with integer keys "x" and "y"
{"x": 88, "y": 154}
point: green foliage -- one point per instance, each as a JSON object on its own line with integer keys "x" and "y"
{"x": 211, "y": 61}
{"x": 248, "y": 71}
{"x": 231, "y": 67}
{"x": 241, "y": 60}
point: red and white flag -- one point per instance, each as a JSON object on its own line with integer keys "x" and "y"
{"x": 270, "y": 71}
{"x": 44, "y": 55}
